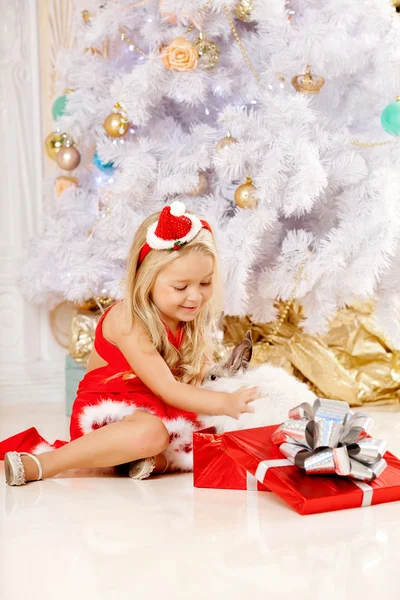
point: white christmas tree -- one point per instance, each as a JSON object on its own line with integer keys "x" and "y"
{"x": 322, "y": 221}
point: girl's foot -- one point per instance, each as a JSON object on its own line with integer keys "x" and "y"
{"x": 19, "y": 470}
{"x": 144, "y": 467}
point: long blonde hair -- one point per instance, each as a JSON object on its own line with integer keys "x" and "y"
{"x": 184, "y": 363}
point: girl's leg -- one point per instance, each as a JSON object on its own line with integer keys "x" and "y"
{"x": 138, "y": 436}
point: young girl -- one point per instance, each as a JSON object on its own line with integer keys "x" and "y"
{"x": 150, "y": 351}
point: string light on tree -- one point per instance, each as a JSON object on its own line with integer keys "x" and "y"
{"x": 245, "y": 194}
{"x": 116, "y": 124}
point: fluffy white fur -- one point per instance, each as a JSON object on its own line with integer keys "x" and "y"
{"x": 42, "y": 447}
{"x": 105, "y": 412}
{"x": 279, "y": 393}
{"x": 179, "y": 452}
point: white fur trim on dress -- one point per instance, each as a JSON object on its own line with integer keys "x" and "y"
{"x": 179, "y": 451}
{"x": 157, "y": 243}
{"x": 105, "y": 412}
{"x": 42, "y": 447}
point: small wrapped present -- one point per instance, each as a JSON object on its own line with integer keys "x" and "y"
{"x": 331, "y": 462}
{"x": 214, "y": 468}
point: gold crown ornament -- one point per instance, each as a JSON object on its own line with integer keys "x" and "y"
{"x": 307, "y": 83}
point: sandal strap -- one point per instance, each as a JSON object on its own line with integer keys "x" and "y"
{"x": 166, "y": 466}
{"x": 36, "y": 460}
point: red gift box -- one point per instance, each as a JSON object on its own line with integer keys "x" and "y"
{"x": 214, "y": 468}
{"x": 253, "y": 450}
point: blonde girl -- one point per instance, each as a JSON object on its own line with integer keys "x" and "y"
{"x": 150, "y": 351}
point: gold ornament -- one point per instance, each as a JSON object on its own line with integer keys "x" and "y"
{"x": 116, "y": 125}
{"x": 87, "y": 17}
{"x": 208, "y": 52}
{"x": 68, "y": 158}
{"x": 63, "y": 183}
{"x": 245, "y": 195}
{"x": 53, "y": 142}
{"x": 396, "y": 5}
{"x": 225, "y": 141}
{"x": 243, "y": 10}
{"x": 201, "y": 187}
{"x": 96, "y": 304}
{"x": 306, "y": 83}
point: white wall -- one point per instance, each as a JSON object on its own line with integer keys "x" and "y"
{"x": 31, "y": 361}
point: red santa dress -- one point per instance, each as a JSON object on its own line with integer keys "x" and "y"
{"x": 104, "y": 397}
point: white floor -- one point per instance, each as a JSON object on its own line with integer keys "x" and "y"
{"x": 85, "y": 536}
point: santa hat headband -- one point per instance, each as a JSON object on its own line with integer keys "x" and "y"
{"x": 174, "y": 229}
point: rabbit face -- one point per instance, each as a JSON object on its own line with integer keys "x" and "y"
{"x": 238, "y": 361}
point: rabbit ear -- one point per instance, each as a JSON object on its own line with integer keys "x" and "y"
{"x": 241, "y": 355}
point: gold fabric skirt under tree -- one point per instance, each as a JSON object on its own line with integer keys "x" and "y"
{"x": 352, "y": 362}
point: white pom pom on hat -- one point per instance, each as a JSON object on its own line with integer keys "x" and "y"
{"x": 177, "y": 208}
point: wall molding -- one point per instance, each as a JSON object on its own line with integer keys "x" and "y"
{"x": 31, "y": 361}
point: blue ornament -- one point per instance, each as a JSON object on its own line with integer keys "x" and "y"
{"x": 390, "y": 117}
{"x": 107, "y": 168}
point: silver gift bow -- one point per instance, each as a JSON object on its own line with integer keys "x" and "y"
{"x": 329, "y": 438}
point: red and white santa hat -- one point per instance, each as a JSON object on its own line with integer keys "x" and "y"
{"x": 174, "y": 229}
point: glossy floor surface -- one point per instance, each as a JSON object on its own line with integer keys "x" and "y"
{"x": 96, "y": 536}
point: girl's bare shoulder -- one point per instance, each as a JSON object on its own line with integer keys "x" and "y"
{"x": 115, "y": 327}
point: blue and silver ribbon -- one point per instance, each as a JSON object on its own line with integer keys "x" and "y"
{"x": 328, "y": 438}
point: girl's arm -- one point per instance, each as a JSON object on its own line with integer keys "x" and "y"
{"x": 150, "y": 367}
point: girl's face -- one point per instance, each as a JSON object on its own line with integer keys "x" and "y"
{"x": 183, "y": 286}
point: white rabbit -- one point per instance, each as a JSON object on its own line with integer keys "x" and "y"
{"x": 279, "y": 390}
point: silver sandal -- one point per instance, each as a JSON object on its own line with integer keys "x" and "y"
{"x": 14, "y": 468}
{"x": 142, "y": 468}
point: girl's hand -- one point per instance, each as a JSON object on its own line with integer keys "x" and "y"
{"x": 238, "y": 402}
